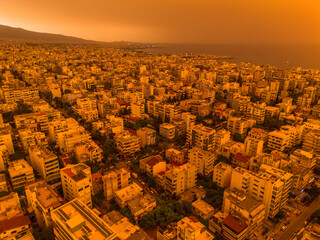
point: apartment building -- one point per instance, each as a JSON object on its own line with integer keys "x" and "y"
{"x": 43, "y": 200}
{"x": 294, "y": 133}
{"x": 253, "y": 146}
{"x": 127, "y": 143}
{"x": 77, "y": 183}
{"x": 114, "y": 181}
{"x": 191, "y": 228}
{"x": 180, "y": 179}
{"x": 167, "y": 130}
{"x": 25, "y": 94}
{"x": 202, "y": 209}
{"x": 75, "y": 220}
{"x": 303, "y": 158}
{"x": 57, "y": 125}
{"x": 188, "y": 119}
{"x": 152, "y": 165}
{"x": 137, "y": 110}
{"x": 202, "y": 137}
{"x": 3, "y": 183}
{"x": 21, "y": 173}
{"x": 222, "y": 137}
{"x": 6, "y": 138}
{"x": 278, "y": 140}
{"x": 14, "y": 225}
{"x": 271, "y": 185}
{"x": 147, "y": 136}
{"x": 141, "y": 206}
{"x": 222, "y": 174}
{"x": 311, "y": 141}
{"x": 127, "y": 194}
{"x": 4, "y": 157}
{"x": 264, "y": 158}
{"x": 68, "y": 138}
{"x": 163, "y": 111}
{"x": 27, "y": 139}
{"x": 45, "y": 162}
{"x": 241, "y": 205}
{"x": 239, "y": 125}
{"x": 88, "y": 151}
{"x": 203, "y": 160}
{"x": 257, "y": 111}
{"x": 175, "y": 155}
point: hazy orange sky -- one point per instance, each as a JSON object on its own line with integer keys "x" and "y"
{"x": 192, "y": 21}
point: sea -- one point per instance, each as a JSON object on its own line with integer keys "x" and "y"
{"x": 283, "y": 56}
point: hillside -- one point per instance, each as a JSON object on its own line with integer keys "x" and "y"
{"x": 21, "y": 35}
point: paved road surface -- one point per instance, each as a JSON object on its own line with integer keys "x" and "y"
{"x": 298, "y": 223}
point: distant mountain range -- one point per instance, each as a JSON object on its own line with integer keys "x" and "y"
{"x": 21, "y": 35}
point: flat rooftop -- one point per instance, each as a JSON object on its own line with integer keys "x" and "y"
{"x": 82, "y": 222}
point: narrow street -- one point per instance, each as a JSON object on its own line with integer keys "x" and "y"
{"x": 298, "y": 223}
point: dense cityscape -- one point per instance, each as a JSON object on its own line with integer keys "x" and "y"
{"x": 114, "y": 143}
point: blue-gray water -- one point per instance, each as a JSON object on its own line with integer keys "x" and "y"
{"x": 280, "y": 55}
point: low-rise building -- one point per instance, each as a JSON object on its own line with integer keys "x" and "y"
{"x": 14, "y": 224}
{"x": 127, "y": 194}
{"x": 141, "y": 206}
{"x": 175, "y": 155}
{"x": 191, "y": 228}
{"x": 203, "y": 209}
{"x": 42, "y": 199}
{"x": 152, "y": 165}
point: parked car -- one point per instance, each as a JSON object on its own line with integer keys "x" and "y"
{"x": 284, "y": 228}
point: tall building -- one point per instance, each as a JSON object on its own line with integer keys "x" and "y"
{"x": 278, "y": 140}
{"x": 45, "y": 162}
{"x": 257, "y": 112}
{"x": 114, "y": 181}
{"x": 75, "y": 220}
{"x": 6, "y": 139}
{"x": 222, "y": 174}
{"x": 21, "y": 173}
{"x": 42, "y": 199}
{"x": 203, "y": 160}
{"x": 255, "y": 141}
{"x": 180, "y": 179}
{"x": 241, "y": 205}
{"x": 127, "y": 143}
{"x": 202, "y": 137}
{"x": 167, "y": 130}
{"x": 77, "y": 183}
{"x": 147, "y": 136}
{"x": 271, "y": 185}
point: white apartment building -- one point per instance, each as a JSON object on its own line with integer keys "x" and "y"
{"x": 271, "y": 185}
{"x": 203, "y": 160}
{"x": 114, "y": 181}
{"x": 202, "y": 137}
{"x": 222, "y": 174}
{"x": 45, "y": 162}
{"x": 77, "y": 183}
{"x": 42, "y": 199}
{"x": 21, "y": 173}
